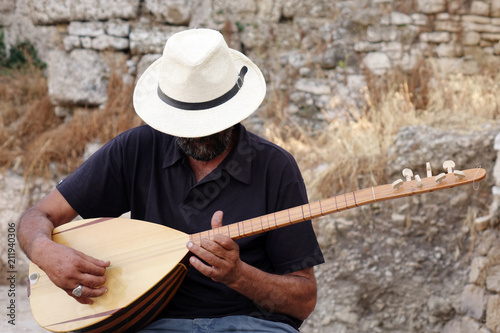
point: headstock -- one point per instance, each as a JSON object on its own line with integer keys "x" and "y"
{"x": 449, "y": 168}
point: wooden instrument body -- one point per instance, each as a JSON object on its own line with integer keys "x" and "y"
{"x": 146, "y": 270}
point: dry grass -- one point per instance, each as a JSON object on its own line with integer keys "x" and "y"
{"x": 350, "y": 155}
{"x": 41, "y": 144}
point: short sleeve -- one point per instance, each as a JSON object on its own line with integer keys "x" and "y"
{"x": 96, "y": 188}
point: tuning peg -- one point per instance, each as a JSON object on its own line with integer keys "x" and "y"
{"x": 429, "y": 170}
{"x": 407, "y": 173}
{"x": 397, "y": 184}
{"x": 449, "y": 166}
{"x": 459, "y": 174}
{"x": 440, "y": 178}
{"x": 419, "y": 181}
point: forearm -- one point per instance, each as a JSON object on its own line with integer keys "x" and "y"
{"x": 292, "y": 294}
{"x": 33, "y": 229}
{"x": 36, "y": 224}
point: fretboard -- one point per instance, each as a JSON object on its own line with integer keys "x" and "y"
{"x": 337, "y": 204}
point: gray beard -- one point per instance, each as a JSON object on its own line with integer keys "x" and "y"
{"x": 205, "y": 148}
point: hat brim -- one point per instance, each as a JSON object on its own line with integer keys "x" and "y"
{"x": 192, "y": 124}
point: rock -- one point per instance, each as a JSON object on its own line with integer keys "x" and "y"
{"x": 80, "y": 78}
{"x": 398, "y": 18}
{"x": 471, "y": 38}
{"x": 437, "y": 145}
{"x": 495, "y": 8}
{"x": 480, "y": 8}
{"x": 315, "y": 87}
{"x": 493, "y": 279}
{"x": 438, "y": 306}
{"x": 144, "y": 41}
{"x": 377, "y": 62}
{"x": 106, "y": 42}
{"x": 375, "y": 34}
{"x": 117, "y": 28}
{"x": 175, "y": 12}
{"x": 90, "y": 29}
{"x": 493, "y": 313}
{"x": 473, "y": 301}
{"x": 59, "y": 11}
{"x": 431, "y": 6}
{"x": 435, "y": 37}
{"x": 477, "y": 273}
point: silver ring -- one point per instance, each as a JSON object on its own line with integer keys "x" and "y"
{"x": 78, "y": 291}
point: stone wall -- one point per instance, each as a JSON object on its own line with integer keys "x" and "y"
{"x": 316, "y": 49}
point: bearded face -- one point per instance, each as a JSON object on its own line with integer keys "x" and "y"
{"x": 205, "y": 148}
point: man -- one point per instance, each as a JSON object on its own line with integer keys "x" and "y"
{"x": 192, "y": 167}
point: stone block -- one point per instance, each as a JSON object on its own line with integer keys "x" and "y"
{"x": 435, "y": 37}
{"x": 473, "y": 301}
{"x": 488, "y": 28}
{"x": 71, "y": 42}
{"x": 176, "y": 12}
{"x": 450, "y": 26}
{"x": 377, "y": 62}
{"x": 493, "y": 279}
{"x": 7, "y": 6}
{"x": 480, "y": 8}
{"x": 144, "y": 41}
{"x": 420, "y": 19}
{"x": 106, "y": 42}
{"x": 493, "y": 313}
{"x": 431, "y": 6}
{"x": 90, "y": 29}
{"x": 449, "y": 50}
{"x": 77, "y": 78}
{"x": 495, "y": 8}
{"x": 398, "y": 18}
{"x": 477, "y": 274}
{"x": 59, "y": 11}
{"x": 471, "y": 38}
{"x": 491, "y": 37}
{"x": 377, "y": 34}
{"x": 366, "y": 47}
{"x": 117, "y": 28}
{"x": 476, "y": 19}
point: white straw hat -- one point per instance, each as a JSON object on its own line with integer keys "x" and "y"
{"x": 199, "y": 86}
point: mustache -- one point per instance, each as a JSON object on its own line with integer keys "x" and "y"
{"x": 205, "y": 148}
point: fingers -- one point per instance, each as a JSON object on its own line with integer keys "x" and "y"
{"x": 92, "y": 265}
{"x": 219, "y": 258}
{"x": 216, "y": 221}
{"x": 68, "y": 268}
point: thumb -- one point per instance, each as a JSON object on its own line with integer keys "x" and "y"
{"x": 217, "y": 219}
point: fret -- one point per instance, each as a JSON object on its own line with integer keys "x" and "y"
{"x": 336, "y": 204}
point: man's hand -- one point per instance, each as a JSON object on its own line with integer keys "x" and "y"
{"x": 221, "y": 255}
{"x": 293, "y": 294}
{"x": 68, "y": 268}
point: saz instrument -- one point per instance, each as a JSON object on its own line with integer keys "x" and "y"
{"x": 149, "y": 261}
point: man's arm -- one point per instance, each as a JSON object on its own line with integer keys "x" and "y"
{"x": 293, "y": 294}
{"x": 66, "y": 267}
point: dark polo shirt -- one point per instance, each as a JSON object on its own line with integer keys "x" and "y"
{"x": 143, "y": 171}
